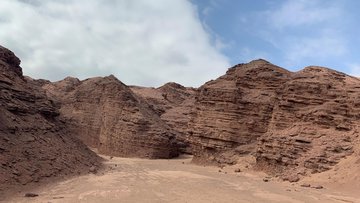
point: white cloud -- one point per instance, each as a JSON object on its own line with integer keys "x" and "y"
{"x": 305, "y": 30}
{"x": 321, "y": 47}
{"x": 303, "y": 12}
{"x": 141, "y": 42}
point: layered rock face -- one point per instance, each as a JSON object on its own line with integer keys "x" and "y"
{"x": 107, "y": 115}
{"x": 173, "y": 103}
{"x": 231, "y": 112}
{"x": 314, "y": 123}
{"x": 294, "y": 124}
{"x": 34, "y": 143}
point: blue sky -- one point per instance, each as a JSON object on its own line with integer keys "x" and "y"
{"x": 289, "y": 33}
{"x": 151, "y": 42}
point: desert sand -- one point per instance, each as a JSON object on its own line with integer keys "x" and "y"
{"x": 178, "y": 180}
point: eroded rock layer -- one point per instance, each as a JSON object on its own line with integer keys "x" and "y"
{"x": 173, "y": 103}
{"x": 107, "y": 115}
{"x": 233, "y": 111}
{"x": 294, "y": 123}
{"x": 314, "y": 123}
{"x": 34, "y": 143}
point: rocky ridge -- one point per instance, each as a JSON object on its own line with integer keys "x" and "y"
{"x": 231, "y": 112}
{"x": 314, "y": 124}
{"x": 107, "y": 115}
{"x": 34, "y": 143}
{"x": 294, "y": 123}
{"x": 173, "y": 103}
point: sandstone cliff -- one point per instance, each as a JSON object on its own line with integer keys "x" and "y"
{"x": 295, "y": 124}
{"x": 34, "y": 143}
{"x": 106, "y": 114}
{"x": 314, "y": 123}
{"x": 173, "y": 103}
{"x": 231, "y": 112}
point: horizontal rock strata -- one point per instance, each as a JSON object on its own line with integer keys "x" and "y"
{"x": 34, "y": 144}
{"x": 107, "y": 115}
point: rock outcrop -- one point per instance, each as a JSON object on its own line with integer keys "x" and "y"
{"x": 173, "y": 103}
{"x": 107, "y": 115}
{"x": 231, "y": 112}
{"x": 294, "y": 124}
{"x": 34, "y": 143}
{"x": 314, "y": 123}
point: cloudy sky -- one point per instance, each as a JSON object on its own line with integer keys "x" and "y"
{"x": 150, "y": 42}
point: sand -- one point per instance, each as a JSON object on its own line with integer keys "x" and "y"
{"x": 177, "y": 180}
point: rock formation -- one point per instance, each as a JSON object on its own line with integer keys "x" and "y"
{"x": 34, "y": 143}
{"x": 314, "y": 123}
{"x": 231, "y": 112}
{"x": 107, "y": 115}
{"x": 173, "y": 103}
{"x": 294, "y": 123}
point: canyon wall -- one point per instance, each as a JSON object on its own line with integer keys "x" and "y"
{"x": 107, "y": 115}
{"x": 34, "y": 143}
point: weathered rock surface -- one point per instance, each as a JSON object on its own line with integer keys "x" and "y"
{"x": 313, "y": 125}
{"x": 34, "y": 143}
{"x": 294, "y": 123}
{"x": 233, "y": 111}
{"x": 173, "y": 103}
{"x": 106, "y": 114}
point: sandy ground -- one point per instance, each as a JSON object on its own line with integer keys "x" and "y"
{"x": 177, "y": 180}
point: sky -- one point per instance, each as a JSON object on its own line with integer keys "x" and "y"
{"x": 151, "y": 42}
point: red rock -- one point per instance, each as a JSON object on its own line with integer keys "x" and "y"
{"x": 173, "y": 103}
{"x": 107, "y": 115}
{"x": 232, "y": 111}
{"x": 35, "y": 145}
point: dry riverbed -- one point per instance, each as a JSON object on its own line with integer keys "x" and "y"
{"x": 176, "y": 180}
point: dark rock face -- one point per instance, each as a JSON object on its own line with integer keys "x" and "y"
{"x": 34, "y": 143}
{"x": 9, "y": 58}
{"x": 106, "y": 114}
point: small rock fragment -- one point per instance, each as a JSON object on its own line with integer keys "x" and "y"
{"x": 318, "y": 187}
{"x": 237, "y": 170}
{"x": 31, "y": 194}
{"x": 92, "y": 169}
{"x": 292, "y": 178}
{"x": 305, "y": 185}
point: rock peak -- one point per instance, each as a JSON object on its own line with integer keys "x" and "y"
{"x": 173, "y": 85}
{"x": 9, "y": 58}
{"x": 259, "y": 61}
